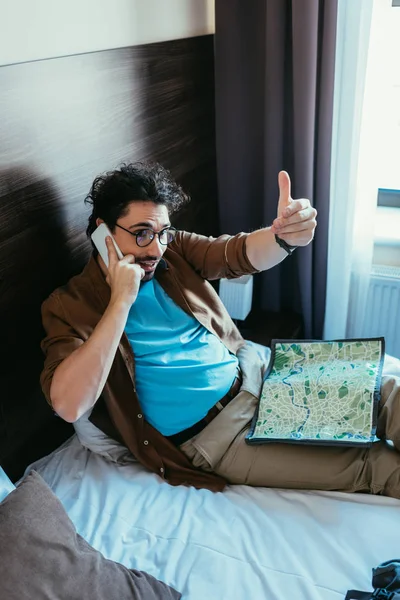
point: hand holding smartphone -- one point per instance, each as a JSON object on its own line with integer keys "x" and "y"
{"x": 125, "y": 276}
{"x": 99, "y": 240}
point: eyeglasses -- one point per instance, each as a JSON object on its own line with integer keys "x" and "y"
{"x": 144, "y": 237}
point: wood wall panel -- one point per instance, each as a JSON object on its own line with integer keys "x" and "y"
{"x": 62, "y": 122}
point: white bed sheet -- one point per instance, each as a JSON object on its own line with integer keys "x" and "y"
{"x": 240, "y": 544}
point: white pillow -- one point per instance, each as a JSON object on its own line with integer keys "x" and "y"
{"x": 263, "y": 351}
{"x": 6, "y": 485}
{"x": 94, "y": 439}
{"x": 391, "y": 366}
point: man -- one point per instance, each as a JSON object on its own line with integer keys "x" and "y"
{"x": 148, "y": 347}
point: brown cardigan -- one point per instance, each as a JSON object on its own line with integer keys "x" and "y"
{"x": 72, "y": 312}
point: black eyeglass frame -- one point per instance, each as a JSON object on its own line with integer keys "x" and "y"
{"x": 136, "y": 234}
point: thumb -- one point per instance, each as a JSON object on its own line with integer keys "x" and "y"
{"x": 285, "y": 197}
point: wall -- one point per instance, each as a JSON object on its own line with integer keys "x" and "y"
{"x": 62, "y": 122}
{"x": 37, "y": 29}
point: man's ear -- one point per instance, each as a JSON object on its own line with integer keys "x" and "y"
{"x": 99, "y": 222}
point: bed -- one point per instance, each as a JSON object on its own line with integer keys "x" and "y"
{"x": 245, "y": 542}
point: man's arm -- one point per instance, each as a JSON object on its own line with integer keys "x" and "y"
{"x": 246, "y": 253}
{"x": 295, "y": 225}
{"x": 79, "y": 379}
{"x": 262, "y": 249}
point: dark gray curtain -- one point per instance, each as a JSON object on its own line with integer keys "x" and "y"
{"x": 274, "y": 104}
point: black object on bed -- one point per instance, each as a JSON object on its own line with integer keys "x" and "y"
{"x": 385, "y": 581}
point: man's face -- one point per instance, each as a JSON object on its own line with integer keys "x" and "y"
{"x": 143, "y": 215}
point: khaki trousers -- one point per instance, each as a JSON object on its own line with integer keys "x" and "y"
{"x": 221, "y": 447}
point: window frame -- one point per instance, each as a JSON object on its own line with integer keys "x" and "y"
{"x": 389, "y": 197}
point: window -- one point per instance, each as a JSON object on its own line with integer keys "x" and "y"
{"x": 387, "y": 222}
{"x": 388, "y": 146}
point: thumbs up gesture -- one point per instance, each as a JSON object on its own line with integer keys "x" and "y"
{"x": 296, "y": 219}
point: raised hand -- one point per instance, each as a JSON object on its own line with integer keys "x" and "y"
{"x": 296, "y": 219}
{"x": 124, "y": 276}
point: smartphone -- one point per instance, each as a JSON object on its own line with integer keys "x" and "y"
{"x": 99, "y": 240}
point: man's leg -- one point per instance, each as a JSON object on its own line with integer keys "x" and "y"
{"x": 389, "y": 411}
{"x": 221, "y": 448}
{"x": 373, "y": 470}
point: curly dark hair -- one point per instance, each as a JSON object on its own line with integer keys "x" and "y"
{"x": 111, "y": 193}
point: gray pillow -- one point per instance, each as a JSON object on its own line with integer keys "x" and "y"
{"x": 42, "y": 556}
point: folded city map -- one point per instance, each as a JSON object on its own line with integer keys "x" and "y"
{"x": 320, "y": 392}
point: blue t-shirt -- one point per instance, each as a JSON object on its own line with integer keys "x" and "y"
{"x": 182, "y": 369}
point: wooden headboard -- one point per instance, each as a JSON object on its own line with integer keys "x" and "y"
{"x": 62, "y": 122}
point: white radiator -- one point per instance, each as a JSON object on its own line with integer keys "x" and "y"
{"x": 383, "y": 307}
